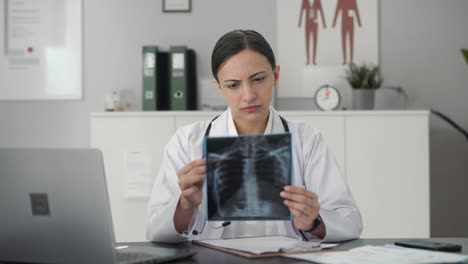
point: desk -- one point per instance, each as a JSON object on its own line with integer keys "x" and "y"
{"x": 207, "y": 255}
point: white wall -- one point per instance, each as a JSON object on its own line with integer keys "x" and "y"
{"x": 420, "y": 50}
{"x": 420, "y": 42}
{"x": 114, "y": 31}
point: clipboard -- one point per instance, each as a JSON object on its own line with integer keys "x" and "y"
{"x": 264, "y": 255}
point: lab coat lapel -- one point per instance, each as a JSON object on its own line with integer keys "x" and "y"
{"x": 277, "y": 125}
{"x": 219, "y": 127}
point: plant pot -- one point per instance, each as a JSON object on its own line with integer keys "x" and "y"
{"x": 363, "y": 99}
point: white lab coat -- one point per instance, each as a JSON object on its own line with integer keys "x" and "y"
{"x": 313, "y": 167}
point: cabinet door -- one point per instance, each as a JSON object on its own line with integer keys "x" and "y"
{"x": 388, "y": 173}
{"x": 133, "y": 149}
{"x": 183, "y": 120}
{"x": 332, "y": 129}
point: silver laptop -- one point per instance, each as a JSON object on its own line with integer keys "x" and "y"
{"x": 54, "y": 208}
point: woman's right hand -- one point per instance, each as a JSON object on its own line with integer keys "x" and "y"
{"x": 191, "y": 179}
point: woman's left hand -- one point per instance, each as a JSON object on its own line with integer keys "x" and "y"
{"x": 303, "y": 204}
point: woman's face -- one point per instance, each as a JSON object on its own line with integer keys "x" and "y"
{"x": 246, "y": 80}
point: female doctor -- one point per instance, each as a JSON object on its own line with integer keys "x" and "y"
{"x": 243, "y": 65}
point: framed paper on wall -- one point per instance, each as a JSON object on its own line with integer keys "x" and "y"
{"x": 41, "y": 50}
{"x": 177, "y": 6}
{"x": 318, "y": 39}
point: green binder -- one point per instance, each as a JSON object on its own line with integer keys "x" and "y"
{"x": 178, "y": 77}
{"x": 183, "y": 88}
{"x": 150, "y": 78}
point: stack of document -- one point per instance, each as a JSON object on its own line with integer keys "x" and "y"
{"x": 382, "y": 255}
{"x": 268, "y": 244}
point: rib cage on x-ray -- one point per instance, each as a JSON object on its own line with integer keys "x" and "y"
{"x": 246, "y": 175}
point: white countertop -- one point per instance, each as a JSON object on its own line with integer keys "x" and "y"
{"x": 288, "y": 113}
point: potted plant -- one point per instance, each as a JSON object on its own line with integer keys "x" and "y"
{"x": 465, "y": 54}
{"x": 364, "y": 79}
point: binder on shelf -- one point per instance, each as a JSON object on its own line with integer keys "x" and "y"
{"x": 155, "y": 79}
{"x": 149, "y": 77}
{"x": 183, "y": 91}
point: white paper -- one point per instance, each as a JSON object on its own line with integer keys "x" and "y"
{"x": 382, "y": 255}
{"x": 259, "y": 245}
{"x": 137, "y": 174}
{"x": 33, "y": 24}
{"x": 40, "y": 37}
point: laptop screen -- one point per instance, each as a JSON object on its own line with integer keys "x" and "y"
{"x": 55, "y": 206}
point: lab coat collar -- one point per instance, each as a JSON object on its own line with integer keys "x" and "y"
{"x": 276, "y": 123}
{"x": 232, "y": 130}
{"x": 220, "y": 127}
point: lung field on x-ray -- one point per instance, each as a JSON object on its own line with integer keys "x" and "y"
{"x": 245, "y": 176}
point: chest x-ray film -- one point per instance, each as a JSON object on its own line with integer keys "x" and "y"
{"x": 245, "y": 175}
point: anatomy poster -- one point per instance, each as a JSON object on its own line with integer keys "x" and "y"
{"x": 323, "y": 35}
{"x": 245, "y": 176}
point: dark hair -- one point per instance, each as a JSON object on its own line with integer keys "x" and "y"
{"x": 236, "y": 41}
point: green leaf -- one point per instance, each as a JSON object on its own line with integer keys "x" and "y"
{"x": 364, "y": 76}
{"x": 465, "y": 54}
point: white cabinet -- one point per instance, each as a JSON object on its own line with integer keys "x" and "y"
{"x": 117, "y": 135}
{"x": 387, "y": 167}
{"x": 383, "y": 154}
{"x": 332, "y": 127}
